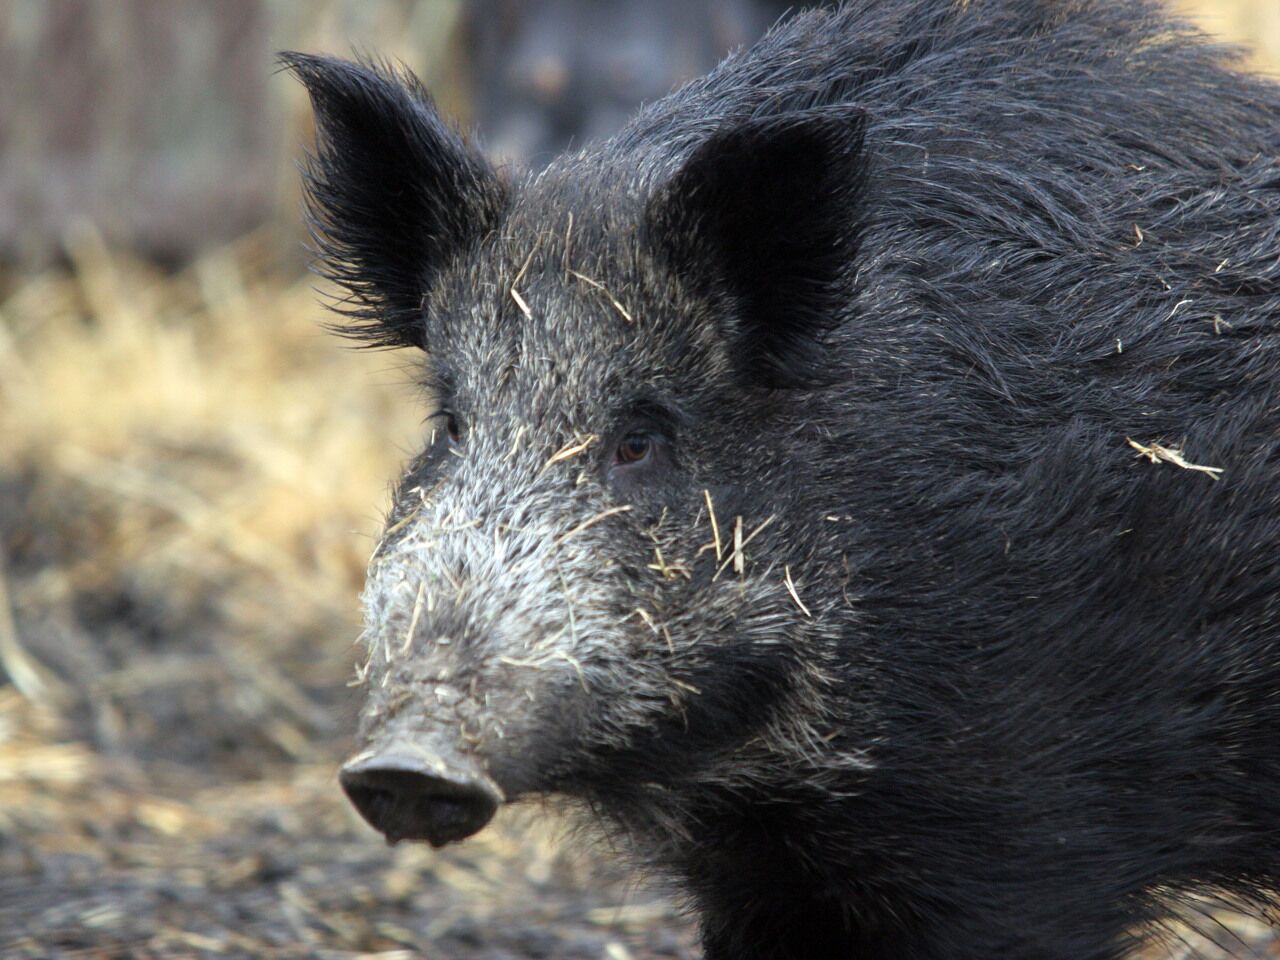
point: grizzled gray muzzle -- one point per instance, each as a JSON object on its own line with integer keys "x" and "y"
{"x": 407, "y": 791}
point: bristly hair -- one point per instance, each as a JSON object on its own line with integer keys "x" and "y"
{"x": 392, "y": 194}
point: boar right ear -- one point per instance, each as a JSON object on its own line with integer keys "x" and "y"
{"x": 392, "y": 194}
{"x": 763, "y": 217}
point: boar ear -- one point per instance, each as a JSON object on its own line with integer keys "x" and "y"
{"x": 392, "y": 194}
{"x": 764, "y": 215}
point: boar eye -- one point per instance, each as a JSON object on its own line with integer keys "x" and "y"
{"x": 452, "y": 432}
{"x": 642, "y": 450}
{"x": 634, "y": 448}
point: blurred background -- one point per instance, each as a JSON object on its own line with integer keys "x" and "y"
{"x": 192, "y": 474}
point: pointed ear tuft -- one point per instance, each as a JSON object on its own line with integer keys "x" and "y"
{"x": 764, "y": 216}
{"x": 392, "y": 194}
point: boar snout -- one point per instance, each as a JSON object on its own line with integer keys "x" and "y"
{"x": 407, "y": 793}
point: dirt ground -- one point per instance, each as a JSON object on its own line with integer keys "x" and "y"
{"x": 102, "y": 859}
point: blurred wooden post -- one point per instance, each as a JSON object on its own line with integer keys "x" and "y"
{"x": 148, "y": 117}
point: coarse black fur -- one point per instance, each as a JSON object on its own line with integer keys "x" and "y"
{"x": 959, "y": 308}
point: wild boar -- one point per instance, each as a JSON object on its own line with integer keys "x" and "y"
{"x": 856, "y": 483}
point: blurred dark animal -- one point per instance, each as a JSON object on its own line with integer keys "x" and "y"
{"x": 553, "y": 74}
{"x": 857, "y": 482}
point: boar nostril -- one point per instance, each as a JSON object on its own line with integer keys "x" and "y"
{"x": 408, "y": 799}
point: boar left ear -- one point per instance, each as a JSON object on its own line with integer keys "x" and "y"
{"x": 764, "y": 215}
{"x": 393, "y": 194}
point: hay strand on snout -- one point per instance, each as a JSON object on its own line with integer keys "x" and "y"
{"x": 515, "y": 283}
{"x": 569, "y": 451}
{"x": 520, "y": 302}
{"x": 617, "y": 305}
{"x": 515, "y": 443}
{"x": 666, "y": 569}
{"x": 715, "y": 527}
{"x": 568, "y": 239}
{"x": 591, "y": 522}
{"x": 1156, "y": 452}
{"x": 413, "y": 620}
{"x": 791, "y": 589}
{"x": 737, "y": 557}
{"x": 403, "y": 522}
